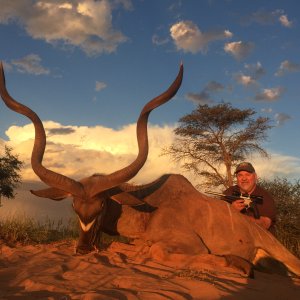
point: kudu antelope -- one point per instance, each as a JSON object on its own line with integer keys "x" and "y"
{"x": 177, "y": 223}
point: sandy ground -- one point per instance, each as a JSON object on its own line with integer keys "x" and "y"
{"x": 54, "y": 272}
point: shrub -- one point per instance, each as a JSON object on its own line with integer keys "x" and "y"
{"x": 287, "y": 200}
{"x": 10, "y": 167}
{"x": 28, "y": 231}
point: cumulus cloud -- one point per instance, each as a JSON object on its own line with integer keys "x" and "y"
{"x": 100, "y": 86}
{"x": 189, "y": 38}
{"x": 271, "y": 94}
{"x": 245, "y": 80}
{"x": 86, "y": 24}
{"x": 239, "y": 50}
{"x": 281, "y": 118}
{"x": 79, "y": 151}
{"x": 253, "y": 73}
{"x": 287, "y": 67}
{"x": 204, "y": 96}
{"x": 30, "y": 64}
{"x": 87, "y": 150}
{"x": 284, "y": 21}
{"x": 278, "y": 165}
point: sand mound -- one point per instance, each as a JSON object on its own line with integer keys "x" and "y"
{"x": 120, "y": 272}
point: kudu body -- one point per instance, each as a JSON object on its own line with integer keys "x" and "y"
{"x": 176, "y": 222}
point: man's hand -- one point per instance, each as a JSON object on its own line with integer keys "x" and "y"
{"x": 239, "y": 204}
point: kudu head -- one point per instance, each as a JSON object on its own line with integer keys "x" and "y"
{"x": 89, "y": 194}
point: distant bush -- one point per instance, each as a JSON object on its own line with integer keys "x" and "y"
{"x": 287, "y": 200}
{"x": 28, "y": 231}
{"x": 10, "y": 167}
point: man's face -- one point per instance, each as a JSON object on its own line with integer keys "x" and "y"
{"x": 246, "y": 181}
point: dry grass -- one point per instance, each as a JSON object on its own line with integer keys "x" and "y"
{"x": 29, "y": 231}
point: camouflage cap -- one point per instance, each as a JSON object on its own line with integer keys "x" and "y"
{"x": 245, "y": 166}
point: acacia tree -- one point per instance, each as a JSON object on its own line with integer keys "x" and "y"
{"x": 10, "y": 167}
{"x": 211, "y": 141}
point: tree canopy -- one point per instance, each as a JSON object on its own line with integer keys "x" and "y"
{"x": 212, "y": 140}
{"x": 10, "y": 167}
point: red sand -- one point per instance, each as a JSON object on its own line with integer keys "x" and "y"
{"x": 54, "y": 272}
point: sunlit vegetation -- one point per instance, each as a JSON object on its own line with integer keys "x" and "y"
{"x": 25, "y": 231}
{"x": 29, "y": 231}
{"x": 287, "y": 199}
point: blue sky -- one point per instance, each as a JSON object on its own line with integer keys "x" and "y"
{"x": 88, "y": 67}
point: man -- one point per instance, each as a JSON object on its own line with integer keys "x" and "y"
{"x": 247, "y": 184}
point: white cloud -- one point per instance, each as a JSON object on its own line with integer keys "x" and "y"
{"x": 252, "y": 73}
{"x": 271, "y": 94}
{"x": 79, "y": 151}
{"x": 239, "y": 50}
{"x": 30, "y": 64}
{"x": 287, "y": 67}
{"x": 283, "y": 19}
{"x": 188, "y": 37}
{"x": 278, "y": 165}
{"x": 245, "y": 80}
{"x": 100, "y": 86}
{"x": 86, "y": 24}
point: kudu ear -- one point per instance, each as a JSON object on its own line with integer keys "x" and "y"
{"x": 127, "y": 199}
{"x": 51, "y": 193}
